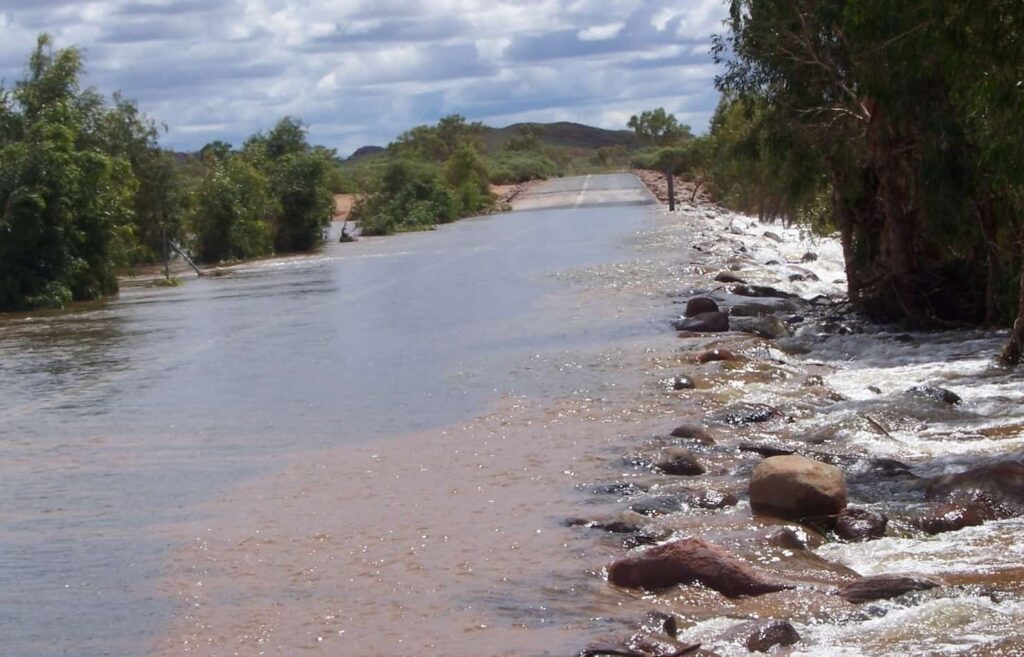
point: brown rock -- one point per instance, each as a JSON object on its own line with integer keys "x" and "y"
{"x": 715, "y": 355}
{"x": 699, "y": 306}
{"x": 680, "y": 461}
{"x": 693, "y": 432}
{"x": 860, "y": 525}
{"x": 713, "y": 322}
{"x": 1003, "y": 481}
{"x": 763, "y": 635}
{"x": 691, "y": 561}
{"x": 941, "y": 518}
{"x": 884, "y": 587}
{"x": 795, "y": 487}
{"x": 728, "y": 277}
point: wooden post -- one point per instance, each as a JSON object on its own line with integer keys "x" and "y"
{"x": 671, "y": 191}
{"x": 167, "y": 255}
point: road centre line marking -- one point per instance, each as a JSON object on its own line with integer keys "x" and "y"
{"x": 579, "y": 197}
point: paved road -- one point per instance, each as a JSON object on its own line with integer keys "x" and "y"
{"x": 585, "y": 191}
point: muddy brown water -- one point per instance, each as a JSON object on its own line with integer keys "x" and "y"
{"x": 375, "y": 451}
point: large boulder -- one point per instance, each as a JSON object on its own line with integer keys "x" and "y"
{"x": 796, "y": 487}
{"x": 1002, "y": 481}
{"x": 884, "y": 587}
{"x": 712, "y": 322}
{"x": 699, "y": 306}
{"x": 691, "y": 561}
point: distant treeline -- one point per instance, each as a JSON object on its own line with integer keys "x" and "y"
{"x": 86, "y": 190}
{"x": 434, "y": 174}
{"x": 898, "y": 124}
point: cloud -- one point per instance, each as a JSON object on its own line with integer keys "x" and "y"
{"x": 363, "y": 71}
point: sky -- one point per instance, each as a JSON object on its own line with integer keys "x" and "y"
{"x": 361, "y": 72}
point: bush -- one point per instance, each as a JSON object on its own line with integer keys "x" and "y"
{"x": 229, "y": 219}
{"x": 510, "y": 168}
{"x": 411, "y": 196}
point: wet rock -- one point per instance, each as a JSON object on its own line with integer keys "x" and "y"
{"x": 787, "y": 539}
{"x": 713, "y": 499}
{"x": 795, "y": 319}
{"x": 934, "y": 393}
{"x": 618, "y": 488}
{"x": 795, "y": 487}
{"x": 1002, "y": 481}
{"x": 760, "y": 291}
{"x": 763, "y": 635}
{"x": 857, "y": 525}
{"x": 699, "y": 306}
{"x": 714, "y": 322}
{"x": 658, "y": 505}
{"x": 691, "y": 561}
{"x": 744, "y": 413}
{"x": 756, "y": 309}
{"x": 656, "y": 646}
{"x": 775, "y": 237}
{"x": 715, "y": 355}
{"x": 768, "y": 327}
{"x": 771, "y": 263}
{"x": 682, "y": 383}
{"x": 693, "y": 432}
{"x": 728, "y": 277}
{"x": 941, "y": 518}
{"x": 884, "y": 587}
{"x": 766, "y": 450}
{"x": 809, "y": 257}
{"x": 680, "y": 461}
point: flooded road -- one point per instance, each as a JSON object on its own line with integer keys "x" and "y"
{"x": 438, "y": 444}
{"x": 118, "y": 419}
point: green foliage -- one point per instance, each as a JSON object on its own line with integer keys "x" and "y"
{"x": 300, "y": 182}
{"x": 231, "y": 212}
{"x": 659, "y": 127}
{"x": 910, "y": 114}
{"x": 412, "y": 195}
{"x": 437, "y": 143}
{"x": 63, "y": 198}
{"x": 511, "y": 167}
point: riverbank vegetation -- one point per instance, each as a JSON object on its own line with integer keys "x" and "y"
{"x": 899, "y": 127}
{"x": 86, "y": 190}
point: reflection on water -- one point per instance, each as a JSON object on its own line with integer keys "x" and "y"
{"x": 117, "y": 418}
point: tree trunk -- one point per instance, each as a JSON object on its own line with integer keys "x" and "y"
{"x": 987, "y": 222}
{"x": 1012, "y": 351}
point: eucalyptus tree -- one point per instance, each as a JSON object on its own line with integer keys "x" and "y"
{"x": 903, "y": 104}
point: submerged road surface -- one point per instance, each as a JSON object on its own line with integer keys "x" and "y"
{"x": 117, "y": 419}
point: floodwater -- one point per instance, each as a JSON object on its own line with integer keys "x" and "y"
{"x": 375, "y": 451}
{"x": 118, "y": 419}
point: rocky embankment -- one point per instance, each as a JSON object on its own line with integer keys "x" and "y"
{"x": 738, "y": 525}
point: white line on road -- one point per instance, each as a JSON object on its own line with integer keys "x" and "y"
{"x": 579, "y": 198}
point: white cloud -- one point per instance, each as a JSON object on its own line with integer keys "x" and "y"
{"x": 600, "y": 32}
{"x": 362, "y": 71}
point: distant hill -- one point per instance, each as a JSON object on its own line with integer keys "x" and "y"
{"x": 562, "y": 134}
{"x": 365, "y": 152}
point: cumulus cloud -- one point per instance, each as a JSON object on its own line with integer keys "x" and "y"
{"x": 362, "y": 71}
